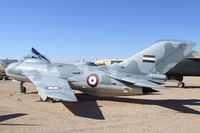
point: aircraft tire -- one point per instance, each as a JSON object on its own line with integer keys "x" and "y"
{"x": 181, "y": 85}
{"x": 23, "y": 89}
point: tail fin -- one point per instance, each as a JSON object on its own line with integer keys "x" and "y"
{"x": 158, "y": 59}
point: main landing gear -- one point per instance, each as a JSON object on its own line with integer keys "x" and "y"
{"x": 22, "y": 88}
{"x": 181, "y": 84}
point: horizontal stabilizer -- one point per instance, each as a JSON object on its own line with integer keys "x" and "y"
{"x": 138, "y": 82}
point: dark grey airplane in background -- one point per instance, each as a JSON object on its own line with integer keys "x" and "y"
{"x": 189, "y": 66}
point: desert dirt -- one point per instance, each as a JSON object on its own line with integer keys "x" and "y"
{"x": 172, "y": 110}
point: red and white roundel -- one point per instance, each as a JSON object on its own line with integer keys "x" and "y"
{"x": 93, "y": 80}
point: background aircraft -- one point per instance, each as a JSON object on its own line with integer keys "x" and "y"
{"x": 133, "y": 76}
{"x": 190, "y": 66}
{"x": 3, "y": 64}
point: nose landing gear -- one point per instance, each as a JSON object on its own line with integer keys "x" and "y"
{"x": 22, "y": 88}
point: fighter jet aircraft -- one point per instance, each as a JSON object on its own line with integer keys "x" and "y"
{"x": 3, "y": 65}
{"x": 135, "y": 75}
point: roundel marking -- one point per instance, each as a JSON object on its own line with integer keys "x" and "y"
{"x": 93, "y": 80}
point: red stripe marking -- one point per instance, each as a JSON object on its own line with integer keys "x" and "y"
{"x": 150, "y": 56}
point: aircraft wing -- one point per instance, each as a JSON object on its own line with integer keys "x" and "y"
{"x": 137, "y": 82}
{"x": 52, "y": 86}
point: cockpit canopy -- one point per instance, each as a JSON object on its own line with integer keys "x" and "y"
{"x": 35, "y": 60}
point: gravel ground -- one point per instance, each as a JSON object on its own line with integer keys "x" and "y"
{"x": 172, "y": 110}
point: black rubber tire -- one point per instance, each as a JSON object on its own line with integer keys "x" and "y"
{"x": 23, "y": 89}
{"x": 181, "y": 85}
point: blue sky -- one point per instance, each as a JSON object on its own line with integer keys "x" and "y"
{"x": 88, "y": 29}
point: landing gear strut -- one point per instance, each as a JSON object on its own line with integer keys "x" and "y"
{"x": 22, "y": 88}
{"x": 4, "y": 78}
{"x": 181, "y": 84}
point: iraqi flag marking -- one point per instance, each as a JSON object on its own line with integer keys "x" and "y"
{"x": 149, "y": 58}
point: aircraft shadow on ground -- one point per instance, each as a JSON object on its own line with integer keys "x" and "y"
{"x": 192, "y": 87}
{"x": 87, "y": 105}
{"x": 13, "y": 116}
{"x": 186, "y": 87}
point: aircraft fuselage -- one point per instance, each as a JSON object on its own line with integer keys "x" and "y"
{"x": 92, "y": 80}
